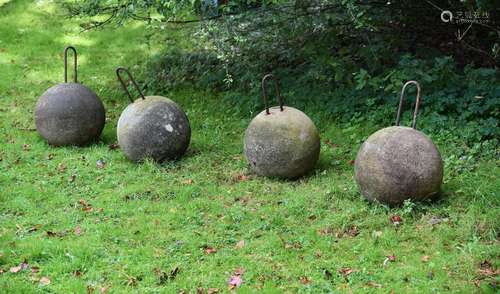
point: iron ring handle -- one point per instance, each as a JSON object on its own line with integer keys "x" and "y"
{"x": 417, "y": 103}
{"x": 66, "y": 64}
{"x": 276, "y": 88}
{"x": 118, "y": 70}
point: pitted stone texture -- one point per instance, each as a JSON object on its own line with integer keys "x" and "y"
{"x": 155, "y": 127}
{"x": 398, "y": 163}
{"x": 282, "y": 144}
{"x": 69, "y": 114}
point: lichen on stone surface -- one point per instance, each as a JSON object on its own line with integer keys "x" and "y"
{"x": 154, "y": 127}
{"x": 282, "y": 144}
{"x": 398, "y": 163}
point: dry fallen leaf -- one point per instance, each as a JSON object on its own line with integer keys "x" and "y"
{"x": 209, "y": 250}
{"x": 187, "y": 182}
{"x": 486, "y": 269}
{"x": 22, "y": 266}
{"x": 240, "y": 244}
{"x": 304, "y": 280}
{"x": 390, "y": 258}
{"x": 425, "y": 258}
{"x": 44, "y": 281}
{"x": 396, "y": 220}
{"x": 85, "y": 206}
{"x": 15, "y": 269}
{"x": 346, "y": 271}
{"x": 353, "y": 231}
{"x": 373, "y": 284}
{"x": 61, "y": 167}
{"x": 212, "y": 290}
{"x": 241, "y": 177}
{"x": 236, "y": 279}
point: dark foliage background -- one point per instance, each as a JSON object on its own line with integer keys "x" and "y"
{"x": 348, "y": 58}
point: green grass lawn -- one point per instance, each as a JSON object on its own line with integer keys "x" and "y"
{"x": 193, "y": 223}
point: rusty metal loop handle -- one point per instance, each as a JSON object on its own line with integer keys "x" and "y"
{"x": 66, "y": 64}
{"x": 417, "y": 103}
{"x": 125, "y": 86}
{"x": 276, "y": 88}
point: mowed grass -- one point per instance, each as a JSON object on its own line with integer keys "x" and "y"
{"x": 190, "y": 224}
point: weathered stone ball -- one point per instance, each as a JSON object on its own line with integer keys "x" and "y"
{"x": 282, "y": 144}
{"x": 69, "y": 114}
{"x": 398, "y": 163}
{"x": 155, "y": 127}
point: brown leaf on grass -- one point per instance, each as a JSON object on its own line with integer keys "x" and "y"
{"x": 187, "y": 182}
{"x": 330, "y": 144}
{"x": 241, "y": 177}
{"x": 240, "y": 244}
{"x": 85, "y": 206}
{"x": 44, "y": 281}
{"x": 389, "y": 258}
{"x": 353, "y": 231}
{"x": 15, "y": 269}
{"x": 77, "y": 273}
{"x": 212, "y": 290}
{"x": 486, "y": 269}
{"x": 396, "y": 220}
{"x": 346, "y": 271}
{"x": 55, "y": 234}
{"x": 61, "y": 167}
{"x": 325, "y": 231}
{"x": 22, "y": 266}
{"x": 425, "y": 258}
{"x": 173, "y": 273}
{"x": 236, "y": 279}
{"x": 34, "y": 228}
{"x": 209, "y": 250}
{"x": 305, "y": 280}
{"x": 373, "y": 284}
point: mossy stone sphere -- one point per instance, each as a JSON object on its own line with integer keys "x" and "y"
{"x": 155, "y": 127}
{"x": 69, "y": 114}
{"x": 282, "y": 144}
{"x": 398, "y": 163}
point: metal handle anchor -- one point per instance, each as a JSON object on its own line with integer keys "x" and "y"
{"x": 125, "y": 86}
{"x": 66, "y": 64}
{"x": 417, "y": 103}
{"x": 276, "y": 88}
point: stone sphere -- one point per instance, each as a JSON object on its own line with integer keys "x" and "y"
{"x": 282, "y": 144}
{"x": 69, "y": 114}
{"x": 155, "y": 127}
{"x": 398, "y": 163}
